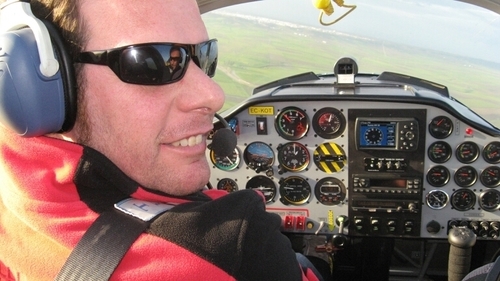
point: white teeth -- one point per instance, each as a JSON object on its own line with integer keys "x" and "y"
{"x": 191, "y": 141}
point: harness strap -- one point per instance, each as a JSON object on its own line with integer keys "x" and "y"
{"x": 104, "y": 244}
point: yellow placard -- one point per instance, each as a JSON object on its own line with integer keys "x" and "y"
{"x": 261, "y": 110}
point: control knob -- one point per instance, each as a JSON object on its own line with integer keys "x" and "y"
{"x": 433, "y": 227}
{"x": 412, "y": 208}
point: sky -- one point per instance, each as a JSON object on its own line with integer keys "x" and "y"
{"x": 454, "y": 26}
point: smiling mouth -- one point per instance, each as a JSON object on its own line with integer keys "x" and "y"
{"x": 191, "y": 141}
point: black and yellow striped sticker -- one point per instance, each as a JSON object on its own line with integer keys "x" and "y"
{"x": 329, "y": 157}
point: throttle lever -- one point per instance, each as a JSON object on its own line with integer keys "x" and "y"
{"x": 461, "y": 240}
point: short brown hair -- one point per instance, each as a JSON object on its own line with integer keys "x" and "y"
{"x": 64, "y": 14}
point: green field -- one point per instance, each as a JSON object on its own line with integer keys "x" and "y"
{"x": 253, "y": 53}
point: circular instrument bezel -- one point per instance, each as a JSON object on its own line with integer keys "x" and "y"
{"x": 490, "y": 176}
{"x": 467, "y": 152}
{"x": 227, "y": 163}
{"x": 264, "y": 185}
{"x": 465, "y": 176}
{"x": 329, "y": 157}
{"x": 294, "y": 190}
{"x": 258, "y": 156}
{"x": 334, "y": 192}
{"x": 292, "y": 123}
{"x": 458, "y": 197}
{"x": 227, "y": 184}
{"x": 332, "y": 127}
{"x": 491, "y": 152}
{"x": 440, "y": 127}
{"x": 439, "y": 152}
{"x": 438, "y": 176}
{"x": 490, "y": 194}
{"x": 294, "y": 156}
{"x": 437, "y": 199}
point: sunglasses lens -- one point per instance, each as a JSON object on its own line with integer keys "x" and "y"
{"x": 152, "y": 64}
{"x": 155, "y": 63}
{"x": 207, "y": 57}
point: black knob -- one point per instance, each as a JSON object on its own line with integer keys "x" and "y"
{"x": 339, "y": 240}
{"x": 433, "y": 227}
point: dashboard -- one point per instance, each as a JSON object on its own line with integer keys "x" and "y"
{"x": 364, "y": 155}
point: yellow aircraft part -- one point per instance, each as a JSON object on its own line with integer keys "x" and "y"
{"x": 329, "y": 157}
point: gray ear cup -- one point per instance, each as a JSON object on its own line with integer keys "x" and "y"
{"x": 32, "y": 104}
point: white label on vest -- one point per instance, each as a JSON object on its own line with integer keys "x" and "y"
{"x": 144, "y": 210}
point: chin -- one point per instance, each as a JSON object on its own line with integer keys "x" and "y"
{"x": 194, "y": 180}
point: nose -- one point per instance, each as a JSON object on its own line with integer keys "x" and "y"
{"x": 200, "y": 91}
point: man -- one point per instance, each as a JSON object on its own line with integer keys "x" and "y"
{"x": 138, "y": 136}
{"x": 175, "y": 63}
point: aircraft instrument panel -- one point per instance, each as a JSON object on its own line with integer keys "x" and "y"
{"x": 365, "y": 155}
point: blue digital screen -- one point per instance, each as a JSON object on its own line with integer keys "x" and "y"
{"x": 377, "y": 134}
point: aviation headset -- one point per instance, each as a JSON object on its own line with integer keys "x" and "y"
{"x": 37, "y": 80}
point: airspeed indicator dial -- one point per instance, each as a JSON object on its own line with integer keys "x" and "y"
{"x": 226, "y": 163}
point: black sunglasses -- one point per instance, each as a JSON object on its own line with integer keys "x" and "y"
{"x": 148, "y": 63}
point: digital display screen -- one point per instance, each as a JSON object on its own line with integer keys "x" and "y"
{"x": 374, "y": 183}
{"x": 375, "y": 204}
{"x": 377, "y": 134}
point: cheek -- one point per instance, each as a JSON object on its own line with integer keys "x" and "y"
{"x": 116, "y": 112}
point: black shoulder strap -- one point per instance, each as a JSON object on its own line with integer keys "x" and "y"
{"x": 104, "y": 244}
{"x": 102, "y": 247}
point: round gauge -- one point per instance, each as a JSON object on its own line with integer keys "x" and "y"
{"x": 330, "y": 191}
{"x": 490, "y": 177}
{"x": 463, "y": 199}
{"x": 292, "y": 123}
{"x": 440, "y": 127}
{"x": 439, "y": 152}
{"x": 328, "y": 123}
{"x": 373, "y": 136}
{"x": 489, "y": 200}
{"x": 294, "y": 190}
{"x": 293, "y": 156}
{"x": 436, "y": 199}
{"x": 467, "y": 152}
{"x": 465, "y": 176}
{"x": 227, "y": 184}
{"x": 258, "y": 156}
{"x": 329, "y": 157}
{"x": 491, "y": 152}
{"x": 227, "y": 163}
{"x": 438, "y": 176}
{"x": 264, "y": 185}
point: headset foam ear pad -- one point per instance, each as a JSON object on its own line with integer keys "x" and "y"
{"x": 30, "y": 103}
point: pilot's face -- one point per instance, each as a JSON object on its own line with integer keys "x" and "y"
{"x": 155, "y": 134}
{"x": 175, "y": 57}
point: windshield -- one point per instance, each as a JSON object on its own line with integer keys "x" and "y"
{"x": 447, "y": 42}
